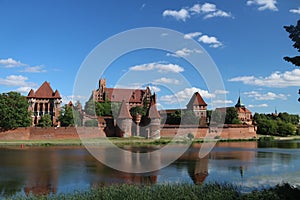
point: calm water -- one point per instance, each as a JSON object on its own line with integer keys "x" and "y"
{"x": 250, "y": 165}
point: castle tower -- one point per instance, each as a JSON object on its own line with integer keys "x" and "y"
{"x": 124, "y": 121}
{"x": 44, "y": 101}
{"x": 154, "y": 119}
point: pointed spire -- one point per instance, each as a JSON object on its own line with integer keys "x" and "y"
{"x": 124, "y": 111}
{"x": 239, "y": 103}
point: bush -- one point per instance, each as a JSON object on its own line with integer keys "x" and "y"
{"x": 91, "y": 123}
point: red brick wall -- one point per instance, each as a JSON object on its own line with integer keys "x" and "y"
{"x": 36, "y": 133}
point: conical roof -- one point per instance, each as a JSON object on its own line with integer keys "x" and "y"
{"x": 31, "y": 94}
{"x": 124, "y": 111}
{"x": 153, "y": 112}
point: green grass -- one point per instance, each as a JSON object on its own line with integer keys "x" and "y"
{"x": 177, "y": 191}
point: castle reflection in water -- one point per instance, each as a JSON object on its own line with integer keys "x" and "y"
{"x": 55, "y": 169}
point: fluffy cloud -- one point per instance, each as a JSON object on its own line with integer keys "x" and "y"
{"x": 160, "y": 67}
{"x": 212, "y": 41}
{"x": 297, "y": 11}
{"x": 208, "y": 10}
{"x": 17, "y": 81}
{"x": 11, "y": 63}
{"x": 276, "y": 79}
{"x": 221, "y": 92}
{"x": 258, "y": 106}
{"x": 34, "y": 69}
{"x": 265, "y": 96}
{"x": 184, "y": 52}
{"x": 192, "y": 35}
{"x": 184, "y": 95}
{"x": 222, "y": 102}
{"x": 165, "y": 80}
{"x": 182, "y": 14}
{"x": 264, "y": 4}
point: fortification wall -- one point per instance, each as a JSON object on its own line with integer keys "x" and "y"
{"x": 37, "y": 133}
{"x": 228, "y": 131}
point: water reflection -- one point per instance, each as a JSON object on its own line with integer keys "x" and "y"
{"x": 54, "y": 170}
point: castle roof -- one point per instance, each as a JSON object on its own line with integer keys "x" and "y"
{"x": 124, "y": 112}
{"x": 152, "y": 112}
{"x": 44, "y": 92}
{"x": 119, "y": 94}
{"x": 239, "y": 103}
{"x": 196, "y": 100}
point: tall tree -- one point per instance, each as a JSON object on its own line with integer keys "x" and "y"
{"x": 231, "y": 116}
{"x": 13, "y": 111}
{"x": 66, "y": 116}
{"x": 294, "y": 32}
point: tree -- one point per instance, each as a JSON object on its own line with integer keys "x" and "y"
{"x": 189, "y": 117}
{"x": 174, "y": 118}
{"x": 294, "y": 32}
{"x": 231, "y": 116}
{"x": 66, "y": 116}
{"x": 90, "y": 107}
{"x": 103, "y": 108}
{"x": 13, "y": 111}
{"x": 137, "y": 110}
{"x": 45, "y": 121}
{"x": 91, "y": 123}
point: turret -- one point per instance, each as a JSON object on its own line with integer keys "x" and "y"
{"x": 124, "y": 121}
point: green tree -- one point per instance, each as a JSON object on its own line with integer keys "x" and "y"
{"x": 90, "y": 108}
{"x": 285, "y": 129}
{"x": 137, "y": 110}
{"x": 267, "y": 127}
{"x": 91, "y": 123}
{"x": 13, "y": 111}
{"x": 103, "y": 108}
{"x": 174, "y": 118}
{"x": 189, "y": 117}
{"x": 231, "y": 116}
{"x": 294, "y": 35}
{"x": 66, "y": 116}
{"x": 45, "y": 121}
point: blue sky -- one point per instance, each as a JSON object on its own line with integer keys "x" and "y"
{"x": 48, "y": 40}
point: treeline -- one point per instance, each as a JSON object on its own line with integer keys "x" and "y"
{"x": 283, "y": 124}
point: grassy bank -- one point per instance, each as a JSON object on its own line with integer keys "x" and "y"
{"x": 180, "y": 191}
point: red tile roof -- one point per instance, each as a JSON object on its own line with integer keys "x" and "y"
{"x": 124, "y": 112}
{"x": 44, "y": 92}
{"x": 196, "y": 100}
{"x": 129, "y": 95}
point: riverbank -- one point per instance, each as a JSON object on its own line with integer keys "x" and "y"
{"x": 177, "y": 191}
{"x": 136, "y": 141}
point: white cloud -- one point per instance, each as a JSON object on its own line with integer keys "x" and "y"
{"x": 11, "y": 63}
{"x": 265, "y": 96}
{"x": 264, "y": 4}
{"x": 192, "y": 35}
{"x": 297, "y": 11}
{"x": 276, "y": 79}
{"x": 165, "y": 80}
{"x": 17, "y": 81}
{"x": 66, "y": 99}
{"x": 207, "y": 9}
{"x": 258, "y": 106}
{"x": 24, "y": 90}
{"x": 34, "y": 69}
{"x": 182, "y": 14}
{"x": 218, "y": 13}
{"x": 184, "y": 95}
{"x": 154, "y": 88}
{"x": 212, "y": 41}
{"x": 184, "y": 52}
{"x": 160, "y": 67}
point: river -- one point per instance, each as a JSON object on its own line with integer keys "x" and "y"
{"x": 51, "y": 170}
